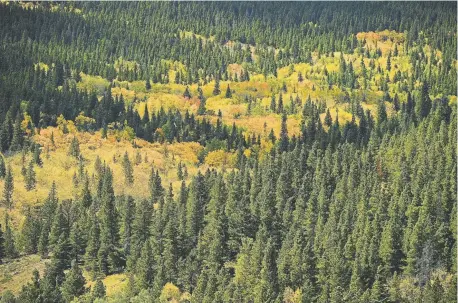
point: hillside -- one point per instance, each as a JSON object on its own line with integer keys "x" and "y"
{"x": 228, "y": 152}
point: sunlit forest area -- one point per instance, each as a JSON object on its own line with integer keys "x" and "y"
{"x": 250, "y": 152}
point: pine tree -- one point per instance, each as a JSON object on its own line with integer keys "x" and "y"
{"x": 216, "y": 89}
{"x": 328, "y": 118}
{"x": 2, "y": 167}
{"x": 128, "y": 170}
{"x": 30, "y": 179}
{"x": 73, "y": 285}
{"x": 424, "y": 104}
{"x": 144, "y": 270}
{"x": 10, "y": 244}
{"x": 284, "y": 134}
{"x": 108, "y": 255}
{"x": 86, "y": 197}
{"x": 180, "y": 171}
{"x": 228, "y": 92}
{"x": 273, "y": 104}
{"x": 99, "y": 290}
{"x": 77, "y": 240}
{"x": 280, "y": 104}
{"x": 31, "y": 291}
{"x": 300, "y": 78}
{"x": 74, "y": 149}
{"x": 18, "y": 135}
{"x": 186, "y": 93}
{"x": 30, "y": 233}
{"x": 93, "y": 245}
{"x": 47, "y": 215}
{"x": 126, "y": 230}
{"x": 8, "y": 188}
{"x": 388, "y": 62}
{"x": 147, "y": 84}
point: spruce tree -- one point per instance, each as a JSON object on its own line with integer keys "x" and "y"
{"x": 127, "y": 169}
{"x": 144, "y": 269}
{"x": 8, "y": 188}
{"x": 10, "y": 243}
{"x": 74, "y": 149}
{"x": 98, "y": 290}
{"x": 328, "y": 118}
{"x": 30, "y": 178}
{"x": 73, "y": 285}
{"x": 284, "y": 134}
{"x": 18, "y": 135}
{"x": 186, "y": 93}
{"x": 228, "y": 92}
{"x": 2, "y": 167}
{"x": 30, "y": 233}
{"x": 216, "y": 89}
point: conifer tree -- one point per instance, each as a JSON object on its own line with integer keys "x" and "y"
{"x": 328, "y": 118}
{"x": 228, "y": 92}
{"x": 186, "y": 93}
{"x": 273, "y": 104}
{"x": 8, "y": 188}
{"x": 2, "y": 167}
{"x": 216, "y": 89}
{"x": 30, "y": 179}
{"x": 10, "y": 243}
{"x": 98, "y": 290}
{"x": 30, "y": 233}
{"x": 74, "y": 149}
{"x": 128, "y": 170}
{"x": 18, "y": 135}
{"x": 284, "y": 134}
{"x": 145, "y": 274}
{"x": 73, "y": 285}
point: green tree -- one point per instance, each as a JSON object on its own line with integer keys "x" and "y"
{"x": 187, "y": 93}
{"x": 228, "y": 92}
{"x": 127, "y": 169}
{"x": 8, "y": 188}
{"x": 2, "y": 167}
{"x": 18, "y": 134}
{"x": 10, "y": 243}
{"x": 144, "y": 269}
{"x": 328, "y": 118}
{"x": 74, "y": 149}
{"x": 73, "y": 285}
{"x": 99, "y": 290}
{"x": 216, "y": 89}
{"x": 30, "y": 178}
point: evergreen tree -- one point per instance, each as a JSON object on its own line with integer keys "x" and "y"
{"x": 216, "y": 89}
{"x": 30, "y": 179}
{"x": 10, "y": 250}
{"x": 99, "y": 290}
{"x": 18, "y": 135}
{"x": 2, "y": 167}
{"x": 128, "y": 170}
{"x": 186, "y": 93}
{"x": 8, "y": 188}
{"x": 284, "y": 134}
{"x": 328, "y": 118}
{"x": 145, "y": 274}
{"x": 30, "y": 233}
{"x": 74, "y": 149}
{"x": 73, "y": 285}
{"x": 228, "y": 92}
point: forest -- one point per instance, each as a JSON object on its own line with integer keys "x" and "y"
{"x": 297, "y": 152}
